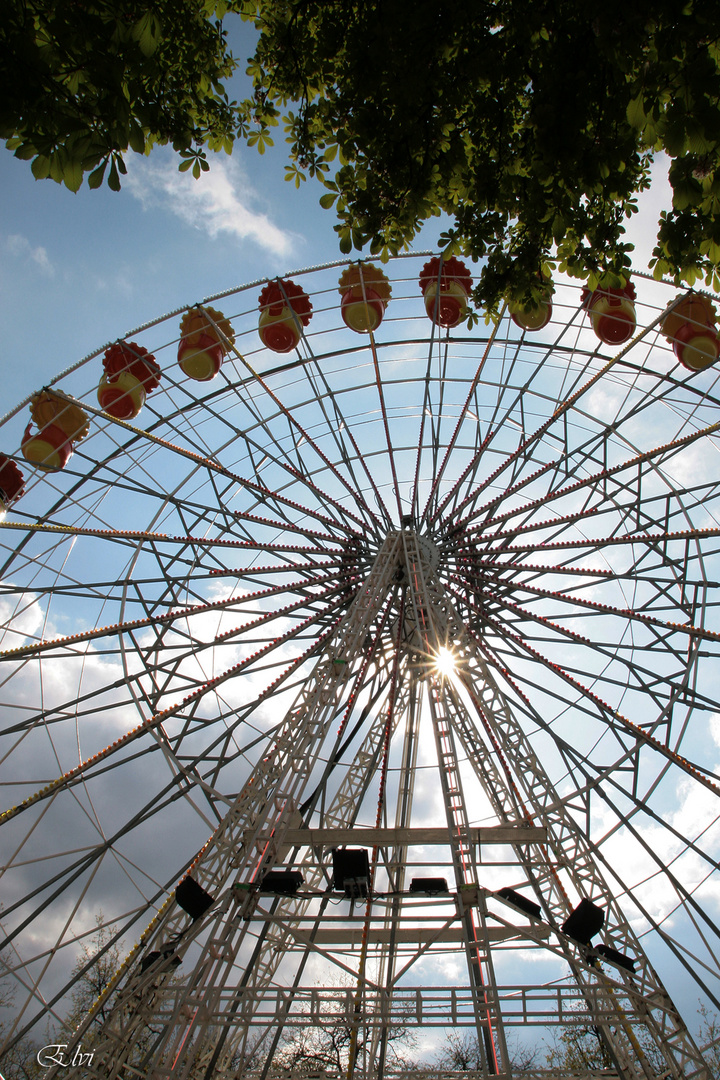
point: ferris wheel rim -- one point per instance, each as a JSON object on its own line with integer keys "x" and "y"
{"x": 343, "y": 516}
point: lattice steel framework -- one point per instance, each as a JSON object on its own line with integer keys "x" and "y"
{"x": 445, "y": 597}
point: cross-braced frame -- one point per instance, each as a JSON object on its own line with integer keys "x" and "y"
{"x": 444, "y": 598}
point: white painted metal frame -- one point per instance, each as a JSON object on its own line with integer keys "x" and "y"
{"x": 227, "y": 617}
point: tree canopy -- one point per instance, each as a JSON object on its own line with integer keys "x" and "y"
{"x": 533, "y": 127}
{"x": 84, "y": 82}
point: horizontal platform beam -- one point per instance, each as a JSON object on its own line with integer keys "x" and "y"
{"x": 416, "y": 935}
{"x": 522, "y": 1006}
{"x": 490, "y": 834}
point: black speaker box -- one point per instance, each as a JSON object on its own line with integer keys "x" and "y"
{"x": 282, "y": 882}
{"x": 522, "y": 902}
{"x": 351, "y": 871}
{"x": 584, "y": 922}
{"x": 193, "y": 898}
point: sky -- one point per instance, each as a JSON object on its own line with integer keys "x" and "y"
{"x": 80, "y": 270}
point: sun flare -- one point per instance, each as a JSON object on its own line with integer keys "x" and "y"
{"x": 445, "y": 662}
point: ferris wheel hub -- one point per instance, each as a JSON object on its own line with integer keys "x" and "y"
{"x": 429, "y": 551}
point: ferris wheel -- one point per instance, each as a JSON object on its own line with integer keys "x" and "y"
{"x": 360, "y": 668}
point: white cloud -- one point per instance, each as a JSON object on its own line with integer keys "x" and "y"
{"x": 641, "y": 228}
{"x": 218, "y": 202}
{"x": 20, "y": 246}
{"x": 715, "y": 728}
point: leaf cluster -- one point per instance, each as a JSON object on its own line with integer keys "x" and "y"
{"x": 311, "y": 1050}
{"x": 710, "y": 1034}
{"x": 83, "y": 81}
{"x": 532, "y": 127}
{"x": 580, "y": 1047}
{"x": 460, "y": 1052}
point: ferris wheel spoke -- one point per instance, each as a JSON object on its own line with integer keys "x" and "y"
{"x": 311, "y": 589}
{"x": 668, "y": 686}
{"x": 594, "y": 777}
{"x": 436, "y": 410}
{"x": 628, "y": 747}
{"x": 341, "y": 430}
{"x": 565, "y": 831}
{"x": 438, "y": 472}
{"x": 589, "y": 483}
{"x": 500, "y": 656}
{"x": 593, "y": 516}
{"x": 48, "y": 1007}
{"x": 576, "y": 604}
{"x": 299, "y": 579}
{"x": 296, "y": 429}
{"x": 598, "y": 782}
{"x": 599, "y": 429}
{"x": 270, "y": 451}
{"x": 662, "y": 690}
{"x": 168, "y": 743}
{"x": 647, "y": 540}
{"x": 509, "y": 403}
{"x": 169, "y": 794}
{"x": 619, "y": 724}
{"x": 251, "y": 574}
{"x": 266, "y": 496}
{"x": 476, "y": 523}
{"x": 690, "y": 961}
{"x": 229, "y": 650}
{"x": 524, "y": 454}
{"x": 131, "y": 538}
{"x": 425, "y": 411}
{"x": 181, "y": 550}
{"x": 389, "y": 445}
{"x": 154, "y": 722}
{"x": 324, "y": 585}
{"x": 187, "y": 763}
{"x": 666, "y": 600}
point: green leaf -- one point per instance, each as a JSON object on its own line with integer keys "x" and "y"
{"x": 113, "y": 178}
{"x": 674, "y": 139}
{"x": 148, "y": 33}
{"x": 293, "y": 173}
{"x": 635, "y": 113}
{"x": 41, "y": 167}
{"x": 24, "y": 151}
{"x": 136, "y": 138}
{"x": 72, "y": 174}
{"x": 328, "y": 201}
{"x": 558, "y": 227}
{"x": 57, "y": 163}
{"x": 96, "y": 177}
{"x": 684, "y": 195}
{"x": 185, "y": 165}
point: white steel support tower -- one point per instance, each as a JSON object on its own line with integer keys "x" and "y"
{"x": 357, "y": 697}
